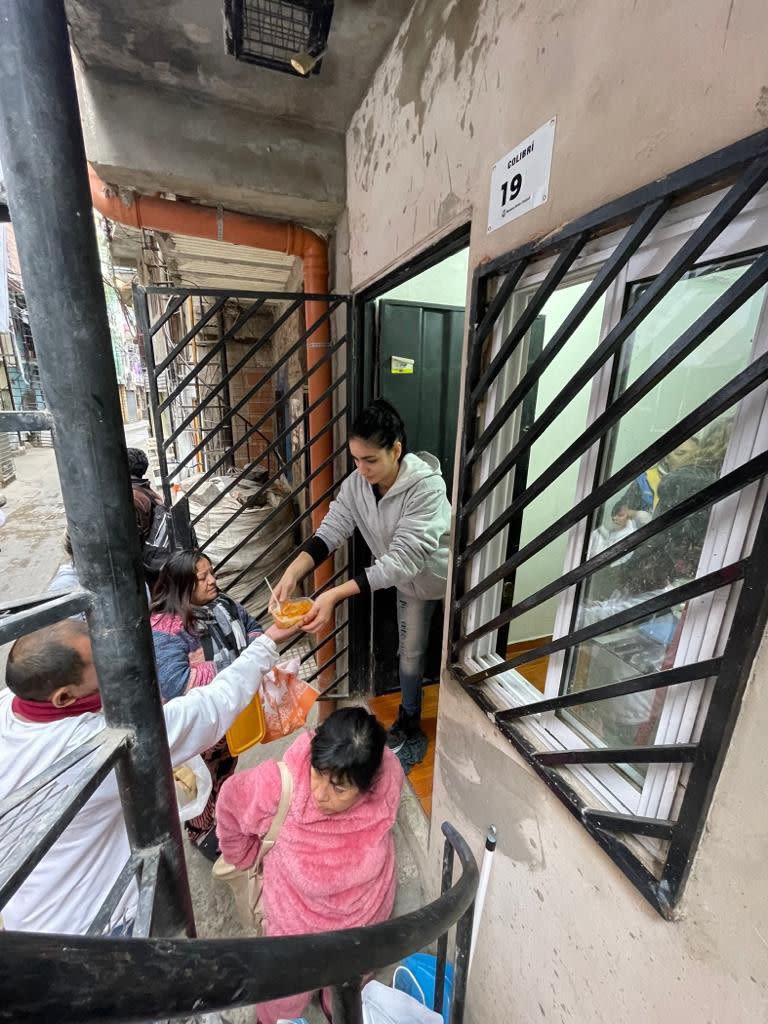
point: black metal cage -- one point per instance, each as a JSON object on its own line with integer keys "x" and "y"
{"x": 272, "y": 32}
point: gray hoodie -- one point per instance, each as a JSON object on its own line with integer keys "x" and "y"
{"x": 407, "y": 531}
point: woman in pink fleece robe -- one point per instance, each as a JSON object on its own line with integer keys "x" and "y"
{"x": 333, "y": 865}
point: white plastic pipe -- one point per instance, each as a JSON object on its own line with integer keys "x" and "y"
{"x": 482, "y": 888}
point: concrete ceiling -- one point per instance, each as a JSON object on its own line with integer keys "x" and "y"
{"x": 180, "y": 44}
{"x": 166, "y": 109}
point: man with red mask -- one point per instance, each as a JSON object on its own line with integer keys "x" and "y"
{"x": 52, "y": 706}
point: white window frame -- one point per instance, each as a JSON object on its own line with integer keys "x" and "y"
{"x": 729, "y": 533}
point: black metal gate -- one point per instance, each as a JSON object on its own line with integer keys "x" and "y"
{"x": 232, "y": 399}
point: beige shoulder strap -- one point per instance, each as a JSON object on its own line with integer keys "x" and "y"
{"x": 286, "y": 795}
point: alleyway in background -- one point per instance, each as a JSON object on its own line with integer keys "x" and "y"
{"x": 32, "y": 539}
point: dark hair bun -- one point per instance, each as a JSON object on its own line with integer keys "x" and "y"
{"x": 381, "y": 425}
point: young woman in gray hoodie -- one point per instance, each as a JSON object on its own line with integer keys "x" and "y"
{"x": 398, "y": 502}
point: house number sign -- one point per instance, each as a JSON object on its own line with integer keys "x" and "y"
{"x": 520, "y": 180}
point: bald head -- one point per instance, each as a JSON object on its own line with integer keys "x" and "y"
{"x": 48, "y": 660}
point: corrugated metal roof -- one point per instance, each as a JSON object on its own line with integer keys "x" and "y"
{"x": 202, "y": 263}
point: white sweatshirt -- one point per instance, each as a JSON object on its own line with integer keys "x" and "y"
{"x": 67, "y": 888}
{"x": 407, "y": 530}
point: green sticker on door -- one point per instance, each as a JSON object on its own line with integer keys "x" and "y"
{"x": 401, "y": 364}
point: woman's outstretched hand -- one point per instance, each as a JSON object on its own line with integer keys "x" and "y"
{"x": 282, "y": 633}
{"x": 288, "y": 583}
{"x": 286, "y": 586}
{"x": 322, "y": 612}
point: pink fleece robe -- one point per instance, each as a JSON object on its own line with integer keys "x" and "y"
{"x": 325, "y": 872}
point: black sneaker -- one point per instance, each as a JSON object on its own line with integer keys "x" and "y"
{"x": 404, "y": 727}
{"x": 412, "y": 752}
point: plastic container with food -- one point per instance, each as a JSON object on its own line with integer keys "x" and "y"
{"x": 290, "y": 613}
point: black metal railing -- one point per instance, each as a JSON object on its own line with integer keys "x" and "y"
{"x": 143, "y": 979}
{"x": 201, "y": 426}
{"x": 91, "y": 977}
{"x": 25, "y": 394}
{"x": 41, "y": 138}
{"x": 483, "y": 518}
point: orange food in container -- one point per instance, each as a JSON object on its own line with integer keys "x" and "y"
{"x": 290, "y": 613}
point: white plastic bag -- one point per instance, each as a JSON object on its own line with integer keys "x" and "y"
{"x": 195, "y": 804}
{"x": 384, "y": 1005}
{"x": 286, "y": 700}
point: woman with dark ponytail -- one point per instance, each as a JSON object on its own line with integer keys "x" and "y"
{"x": 398, "y": 502}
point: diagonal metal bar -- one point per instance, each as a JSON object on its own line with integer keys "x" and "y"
{"x": 216, "y": 389}
{"x": 273, "y": 446}
{"x": 632, "y": 867}
{"x": 327, "y": 664}
{"x": 265, "y": 486}
{"x": 210, "y": 355}
{"x": 285, "y": 503}
{"x": 172, "y": 309}
{"x": 283, "y": 533}
{"x": 743, "y": 642}
{"x": 670, "y": 753}
{"x": 612, "y": 821}
{"x": 267, "y": 336}
{"x": 313, "y": 651}
{"x": 101, "y": 922}
{"x": 325, "y": 694}
{"x": 550, "y": 283}
{"x": 739, "y": 195}
{"x": 255, "y": 427}
{"x": 661, "y": 602}
{"x": 637, "y": 684}
{"x": 622, "y": 254}
{"x": 192, "y": 333}
{"x": 496, "y": 306}
{"x": 278, "y": 509}
{"x": 271, "y": 372}
{"x": 103, "y": 918}
{"x": 145, "y": 912}
{"x": 49, "y": 610}
{"x": 46, "y": 827}
{"x": 714, "y": 492}
{"x": 25, "y": 793}
{"x": 742, "y": 384}
{"x": 712, "y": 171}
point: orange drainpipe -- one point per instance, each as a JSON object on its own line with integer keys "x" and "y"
{"x": 183, "y": 218}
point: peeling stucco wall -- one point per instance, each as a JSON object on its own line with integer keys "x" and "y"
{"x": 564, "y": 937}
{"x": 639, "y": 88}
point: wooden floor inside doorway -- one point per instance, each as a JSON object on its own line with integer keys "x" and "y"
{"x": 385, "y": 708}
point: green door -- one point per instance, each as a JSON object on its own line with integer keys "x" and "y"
{"x": 425, "y": 339}
{"x": 419, "y": 372}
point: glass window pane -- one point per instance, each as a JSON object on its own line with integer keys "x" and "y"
{"x": 671, "y": 557}
{"x": 536, "y": 626}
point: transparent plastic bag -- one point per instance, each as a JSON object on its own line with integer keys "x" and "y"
{"x": 286, "y": 699}
{"x": 192, "y": 782}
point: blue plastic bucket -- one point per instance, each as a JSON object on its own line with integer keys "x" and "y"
{"x": 423, "y": 968}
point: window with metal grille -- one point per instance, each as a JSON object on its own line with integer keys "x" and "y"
{"x": 273, "y": 32}
{"x": 610, "y": 551}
